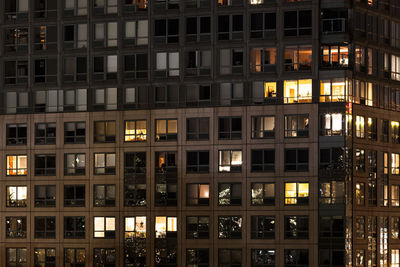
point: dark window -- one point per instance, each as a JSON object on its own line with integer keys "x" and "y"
{"x": 331, "y": 158}
{"x": 262, "y": 227}
{"x": 296, "y": 159}
{"x": 135, "y": 179}
{"x": 135, "y": 241}
{"x": 74, "y": 195}
{"x": 229, "y": 194}
{"x": 230, "y": 27}
{"x": 166, "y": 187}
{"x": 197, "y": 194}
{"x": 104, "y": 131}
{"x": 166, "y": 242}
{"x": 16, "y": 257}
{"x": 360, "y": 160}
{"x": 230, "y": 128}
{"x": 104, "y": 257}
{"x": 198, "y": 29}
{"x": 262, "y": 257}
{"x": 372, "y": 131}
{"x": 331, "y": 227}
{"x": 296, "y": 227}
{"x": 104, "y": 195}
{"x": 197, "y": 161}
{"x": 135, "y": 67}
{"x": 45, "y": 70}
{"x": 262, "y": 25}
{"x": 45, "y": 133}
{"x": 45, "y": 195}
{"x": 45, "y": 165}
{"x": 262, "y": 127}
{"x": 166, "y": 31}
{"x": 74, "y": 227}
{"x": 74, "y": 257}
{"x": 74, "y": 164}
{"x": 229, "y": 257}
{"x": 16, "y": 134}
{"x": 262, "y": 194}
{"x": 332, "y": 257}
{"x": 296, "y": 258}
{"x": 16, "y": 72}
{"x": 296, "y": 125}
{"x": 15, "y": 227}
{"x": 198, "y": 95}
{"x": 385, "y": 131}
{"x": 197, "y": 227}
{"x": 167, "y": 130}
{"x": 104, "y": 163}
{"x": 298, "y": 23}
{"x": 262, "y": 160}
{"x": 197, "y": 129}
{"x": 45, "y": 227}
{"x": 44, "y": 257}
{"x": 229, "y": 227}
{"x": 198, "y": 257}
{"x": 74, "y": 132}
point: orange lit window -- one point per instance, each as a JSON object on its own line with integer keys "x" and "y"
{"x": 298, "y": 91}
{"x": 296, "y": 193}
{"x": 17, "y": 165}
{"x": 135, "y": 131}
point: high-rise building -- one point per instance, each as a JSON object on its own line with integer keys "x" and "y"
{"x": 197, "y": 133}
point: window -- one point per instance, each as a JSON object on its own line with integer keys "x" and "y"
{"x": 197, "y": 129}
{"x": 17, "y": 102}
{"x": 230, "y": 27}
{"x": 104, "y": 131}
{"x": 299, "y": 91}
{"x": 74, "y": 257}
{"x": 230, "y": 128}
{"x": 104, "y": 163}
{"x": 360, "y": 227}
{"x": 197, "y": 161}
{"x": 334, "y": 21}
{"x": 262, "y": 258}
{"x": 229, "y": 257}
{"x": 231, "y": 94}
{"x": 262, "y": 127}
{"x": 372, "y": 131}
{"x": 331, "y": 159}
{"x": 197, "y": 227}
{"x": 74, "y": 164}
{"x": 360, "y": 194}
{"x": 135, "y": 241}
{"x": 45, "y": 70}
{"x": 360, "y": 160}
{"x": 394, "y": 226}
{"x": 197, "y": 257}
{"x": 45, "y": 227}
{"x": 75, "y": 36}
{"x": 231, "y": 61}
{"x": 74, "y": 132}
{"x": 105, "y": 7}
{"x": 333, "y": 90}
{"x": 135, "y": 5}
{"x": 335, "y": 56}
{"x": 166, "y": 31}
{"x": 166, "y": 190}
{"x": 395, "y": 132}
{"x": 45, "y": 133}
{"x": 45, "y": 165}
{"x": 264, "y": 91}
{"x": 385, "y": 131}
{"x": 17, "y": 165}
{"x": 296, "y": 227}
{"x": 136, "y": 32}
{"x": 198, "y": 29}
{"x": 130, "y": 96}
{"x": 75, "y": 7}
{"x": 16, "y": 39}
{"x": 45, "y": 195}
{"x": 135, "y": 66}
{"x": 104, "y": 257}
{"x": 331, "y": 227}
{"x": 16, "y": 196}
{"x": 167, "y": 64}
{"x": 15, "y": 227}
{"x": 17, "y": 10}
{"x": 49, "y": 101}
{"x": 360, "y": 127}
{"x": 262, "y": 194}
{"x": 135, "y": 179}
{"x": 229, "y": 194}
{"x": 16, "y": 72}
{"x": 229, "y": 227}
{"x": 262, "y": 25}
{"x": 104, "y": 227}
{"x": 16, "y": 257}
{"x": 105, "y": 67}
{"x": 75, "y": 100}
{"x": 197, "y": 194}
{"x": 296, "y": 125}
{"x": 45, "y": 37}
{"x": 105, "y": 99}
{"x": 296, "y": 159}
{"x": 296, "y": 193}
{"x": 166, "y": 130}
{"x": 262, "y": 160}
{"x": 263, "y": 60}
{"x": 230, "y": 161}
{"x": 44, "y": 257}
{"x": 395, "y": 194}
{"x": 198, "y": 95}
{"x": 262, "y": 227}
{"x": 298, "y": 58}
{"x": 104, "y": 195}
{"x": 198, "y": 63}
{"x": 165, "y": 240}
{"x": 298, "y": 23}
{"x": 74, "y": 195}
{"x": 75, "y": 69}
{"x": 105, "y": 34}
{"x": 360, "y": 258}
{"x": 331, "y": 192}
{"x": 395, "y": 259}
{"x": 166, "y": 95}
{"x": 296, "y": 257}
{"x": 16, "y": 134}
{"x": 229, "y": 3}
{"x": 331, "y": 124}
{"x": 74, "y": 227}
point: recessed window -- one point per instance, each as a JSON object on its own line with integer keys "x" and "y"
{"x": 105, "y": 67}
{"x": 197, "y": 227}
{"x": 105, "y": 34}
{"x": 262, "y": 127}
{"x": 15, "y": 227}
{"x": 105, "y": 99}
{"x": 296, "y": 257}
{"x": 17, "y": 165}
{"x": 166, "y": 31}
{"x": 230, "y": 27}
{"x": 262, "y": 160}
{"x": 45, "y": 195}
{"x": 298, "y": 23}
{"x": 262, "y": 257}
{"x": 197, "y": 257}
{"x": 296, "y": 193}
{"x": 332, "y": 90}
{"x": 296, "y": 125}
{"x": 16, "y": 72}
{"x": 360, "y": 126}
{"x": 16, "y": 196}
{"x": 296, "y": 227}
{"x": 262, "y": 25}
{"x": 74, "y": 195}
{"x": 334, "y": 56}
{"x": 135, "y": 179}
{"x": 198, "y": 29}
{"x": 299, "y": 91}
{"x": 104, "y": 163}
{"x": 104, "y": 256}
{"x": 298, "y": 58}
{"x": 166, "y": 187}
{"x": 167, "y": 64}
{"x": 135, "y": 131}
{"x": 360, "y": 161}
{"x": 74, "y": 164}
{"x": 167, "y": 130}
{"x": 229, "y": 227}
{"x": 74, "y": 256}
{"x": 74, "y": 132}
{"x": 44, "y": 256}
{"x": 75, "y": 36}
{"x": 136, "y": 32}
{"x": 104, "y": 227}
{"x": 262, "y": 60}
{"x": 197, "y": 194}
{"x": 197, "y": 161}
{"x": 45, "y": 165}
{"x": 230, "y": 128}
{"x": 45, "y": 227}
{"x": 360, "y": 194}
{"x": 16, "y": 257}
{"x": 229, "y": 160}
{"x": 372, "y": 131}
{"x": 16, "y": 134}
{"x": 263, "y": 227}
{"x": 135, "y": 66}
{"x": 331, "y": 124}
{"x": 331, "y": 192}
{"x": 197, "y": 129}
{"x": 104, "y": 195}
{"x": 104, "y": 131}
{"x": 17, "y": 102}
{"x": 229, "y": 257}
{"x": 229, "y": 194}
{"x": 75, "y": 69}
{"x": 198, "y": 63}
{"x": 262, "y": 194}
{"x": 296, "y": 159}
{"x": 45, "y": 133}
{"x": 75, "y": 7}
{"x": 231, "y": 61}
{"x": 165, "y": 226}
{"x": 135, "y": 240}
{"x": 74, "y": 227}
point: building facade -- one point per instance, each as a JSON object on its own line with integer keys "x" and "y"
{"x": 200, "y": 133}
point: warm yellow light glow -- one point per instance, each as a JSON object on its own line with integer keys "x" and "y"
{"x": 303, "y": 189}
{"x": 290, "y": 193}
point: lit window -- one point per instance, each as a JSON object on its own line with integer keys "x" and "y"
{"x": 395, "y": 163}
{"x": 197, "y": 194}
{"x": 230, "y": 161}
{"x": 262, "y": 127}
{"x": 166, "y": 130}
{"x": 16, "y": 196}
{"x": 256, "y": 2}
{"x": 334, "y": 56}
{"x": 165, "y": 225}
{"x": 395, "y": 132}
{"x": 135, "y": 227}
{"x": 104, "y": 227}
{"x": 395, "y": 195}
{"x": 296, "y": 125}
{"x": 17, "y": 165}
{"x": 299, "y": 91}
{"x": 360, "y": 126}
{"x": 262, "y": 194}
{"x": 331, "y": 124}
{"x": 332, "y": 90}
{"x": 395, "y": 261}
{"x": 332, "y": 192}
{"x": 296, "y": 193}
